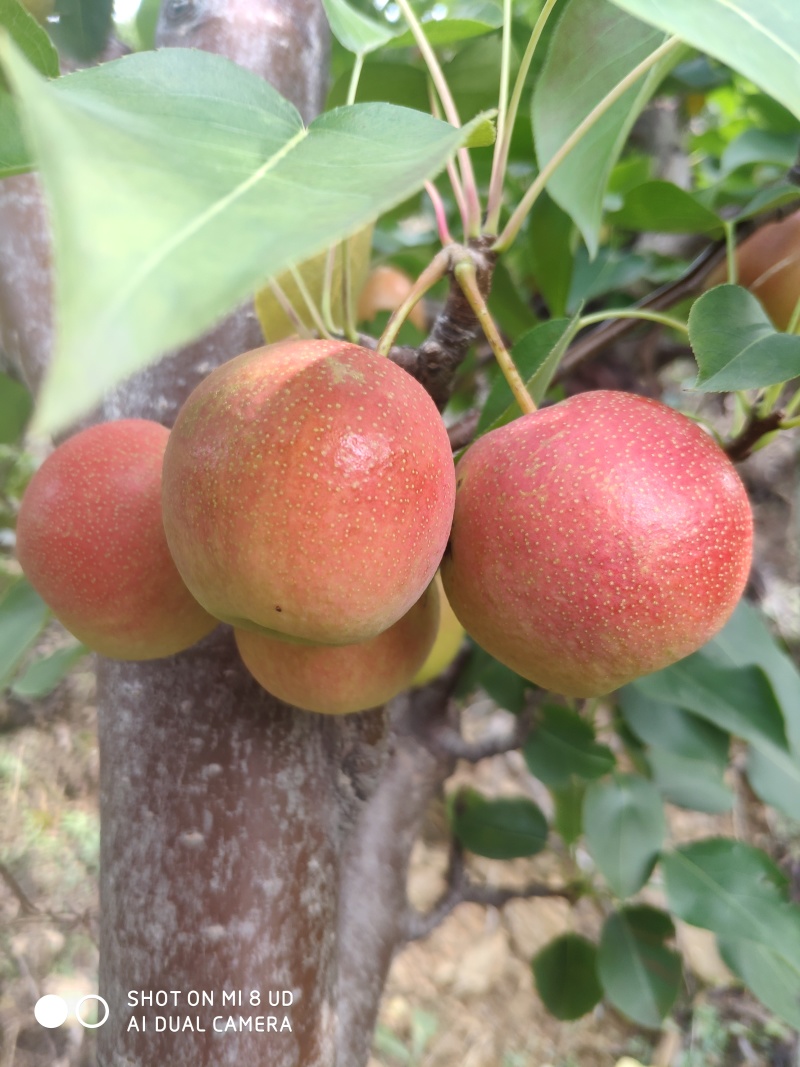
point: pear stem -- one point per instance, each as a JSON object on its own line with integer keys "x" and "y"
{"x": 309, "y": 302}
{"x": 327, "y": 291}
{"x": 514, "y": 224}
{"x": 289, "y": 309}
{"x": 350, "y": 330}
{"x": 633, "y": 313}
{"x": 434, "y": 272}
{"x": 439, "y": 211}
{"x": 503, "y": 144}
{"x": 467, "y": 278}
{"x": 473, "y": 218}
{"x": 355, "y": 77}
{"x": 730, "y": 253}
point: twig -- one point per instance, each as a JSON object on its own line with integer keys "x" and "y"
{"x": 689, "y": 284}
{"x": 756, "y": 427}
{"x": 462, "y": 431}
{"x": 461, "y": 889}
{"x": 27, "y": 907}
{"x": 450, "y": 740}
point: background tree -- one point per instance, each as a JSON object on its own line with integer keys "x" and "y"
{"x": 247, "y": 845}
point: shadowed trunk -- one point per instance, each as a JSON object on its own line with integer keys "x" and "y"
{"x": 241, "y": 849}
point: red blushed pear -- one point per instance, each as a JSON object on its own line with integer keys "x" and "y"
{"x": 309, "y": 491}
{"x": 91, "y": 541}
{"x": 339, "y": 679}
{"x": 596, "y": 541}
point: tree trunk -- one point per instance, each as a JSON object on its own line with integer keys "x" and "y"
{"x": 247, "y": 847}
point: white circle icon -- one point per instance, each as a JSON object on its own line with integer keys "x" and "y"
{"x": 51, "y": 1011}
{"x": 91, "y": 996}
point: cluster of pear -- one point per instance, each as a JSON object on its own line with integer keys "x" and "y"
{"x": 307, "y": 496}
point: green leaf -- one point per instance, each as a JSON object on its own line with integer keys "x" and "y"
{"x": 83, "y": 26}
{"x": 690, "y": 783}
{"x": 566, "y": 976}
{"x": 29, "y": 37}
{"x": 625, "y": 826}
{"x": 23, "y": 616}
{"x": 43, "y": 675}
{"x": 536, "y": 356}
{"x": 36, "y": 46}
{"x": 500, "y": 829}
{"x": 735, "y": 344}
{"x": 550, "y": 233}
{"x": 639, "y": 974}
{"x": 594, "y": 46}
{"x": 568, "y": 814}
{"x": 356, "y": 32}
{"x": 180, "y": 182}
{"x": 146, "y": 22}
{"x": 662, "y": 207}
{"x": 393, "y": 83}
{"x": 668, "y": 727}
{"x": 758, "y": 38}
{"x": 740, "y": 700}
{"x": 15, "y": 409}
{"x": 759, "y": 146}
{"x": 506, "y": 688}
{"x": 773, "y": 981}
{"x": 686, "y": 755}
{"x": 773, "y": 773}
{"x": 563, "y": 745}
{"x": 768, "y": 199}
{"x": 736, "y": 891}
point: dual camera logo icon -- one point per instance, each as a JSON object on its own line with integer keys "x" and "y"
{"x": 52, "y": 1011}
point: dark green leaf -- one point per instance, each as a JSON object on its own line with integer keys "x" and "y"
{"x": 536, "y": 356}
{"x": 735, "y": 344}
{"x": 43, "y": 675}
{"x": 508, "y": 303}
{"x": 250, "y": 192}
{"x": 23, "y": 616}
{"x": 549, "y": 238}
{"x": 759, "y": 38}
{"x": 639, "y": 974}
{"x": 768, "y": 199}
{"x": 593, "y": 47}
{"x": 506, "y": 688}
{"x": 394, "y": 83}
{"x": 568, "y": 815}
{"x": 83, "y": 27}
{"x": 566, "y": 976}
{"x": 500, "y": 829}
{"x": 738, "y": 699}
{"x": 15, "y": 409}
{"x": 662, "y": 207}
{"x": 473, "y": 21}
{"x": 624, "y": 825}
{"x": 736, "y": 891}
{"x": 774, "y": 982}
{"x": 563, "y": 745}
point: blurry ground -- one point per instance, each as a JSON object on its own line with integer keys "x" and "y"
{"x": 462, "y": 998}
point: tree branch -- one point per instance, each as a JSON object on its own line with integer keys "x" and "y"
{"x": 756, "y": 427}
{"x": 448, "y": 739}
{"x": 689, "y": 284}
{"x": 27, "y": 907}
{"x": 461, "y": 889}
